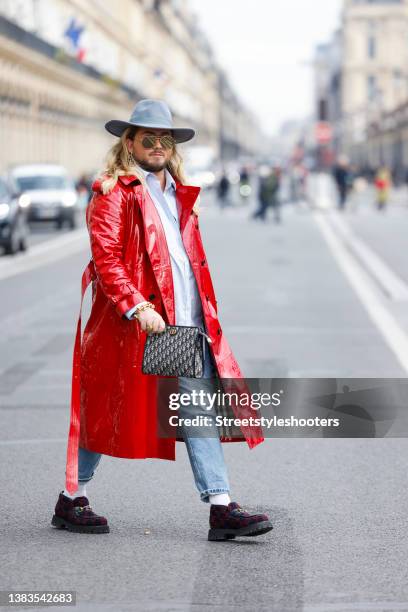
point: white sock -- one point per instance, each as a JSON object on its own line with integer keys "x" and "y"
{"x": 221, "y": 499}
{"x": 81, "y": 491}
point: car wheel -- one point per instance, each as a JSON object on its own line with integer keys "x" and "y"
{"x": 12, "y": 246}
{"x": 23, "y": 243}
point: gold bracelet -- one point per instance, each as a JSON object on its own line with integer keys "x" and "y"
{"x": 143, "y": 307}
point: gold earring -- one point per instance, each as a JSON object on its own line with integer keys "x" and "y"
{"x": 130, "y": 159}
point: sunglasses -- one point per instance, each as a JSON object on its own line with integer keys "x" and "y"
{"x": 167, "y": 141}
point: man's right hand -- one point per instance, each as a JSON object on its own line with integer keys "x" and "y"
{"x": 151, "y": 321}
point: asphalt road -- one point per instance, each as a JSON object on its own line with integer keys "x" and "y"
{"x": 42, "y": 231}
{"x": 290, "y": 307}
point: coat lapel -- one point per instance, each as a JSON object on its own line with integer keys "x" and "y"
{"x": 155, "y": 238}
{"x": 186, "y": 195}
{"x": 157, "y": 250}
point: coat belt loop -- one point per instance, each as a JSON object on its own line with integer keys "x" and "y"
{"x": 71, "y": 472}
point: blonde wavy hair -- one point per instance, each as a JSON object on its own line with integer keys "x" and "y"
{"x": 118, "y": 163}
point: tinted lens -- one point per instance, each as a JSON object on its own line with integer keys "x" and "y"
{"x": 149, "y": 141}
{"x": 167, "y": 142}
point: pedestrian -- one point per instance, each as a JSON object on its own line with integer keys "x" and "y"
{"x": 223, "y": 188}
{"x": 382, "y": 185}
{"x": 149, "y": 270}
{"x": 84, "y": 189}
{"x": 244, "y": 176}
{"x": 268, "y": 195}
{"x": 244, "y": 183}
{"x": 342, "y": 178}
{"x": 298, "y": 177}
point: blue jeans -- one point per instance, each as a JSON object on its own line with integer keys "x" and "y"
{"x": 205, "y": 451}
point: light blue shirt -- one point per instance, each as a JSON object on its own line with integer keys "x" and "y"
{"x": 188, "y": 310}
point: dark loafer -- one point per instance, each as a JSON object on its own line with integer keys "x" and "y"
{"x": 77, "y": 515}
{"x": 228, "y": 522}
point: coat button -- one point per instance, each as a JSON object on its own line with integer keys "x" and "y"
{"x": 218, "y": 331}
{"x": 207, "y": 297}
{"x": 152, "y": 296}
{"x": 203, "y": 262}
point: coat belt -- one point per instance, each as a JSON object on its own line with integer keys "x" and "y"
{"x": 71, "y": 473}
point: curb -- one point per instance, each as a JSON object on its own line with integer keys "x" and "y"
{"x": 44, "y": 253}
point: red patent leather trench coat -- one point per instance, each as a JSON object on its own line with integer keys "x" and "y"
{"x": 113, "y": 403}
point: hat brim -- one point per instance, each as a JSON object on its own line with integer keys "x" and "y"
{"x": 117, "y": 127}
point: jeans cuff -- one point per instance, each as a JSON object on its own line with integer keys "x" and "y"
{"x": 204, "y": 495}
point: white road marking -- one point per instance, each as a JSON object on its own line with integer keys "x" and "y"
{"x": 34, "y": 387}
{"x": 361, "y": 606}
{"x": 44, "y": 253}
{"x": 385, "y": 322}
{"x": 391, "y": 283}
{"x": 281, "y": 329}
{"x": 32, "y": 441}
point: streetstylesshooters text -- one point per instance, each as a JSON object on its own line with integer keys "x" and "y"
{"x": 253, "y": 401}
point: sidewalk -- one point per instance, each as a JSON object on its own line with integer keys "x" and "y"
{"x": 322, "y": 193}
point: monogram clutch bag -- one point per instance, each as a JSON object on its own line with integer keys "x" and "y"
{"x": 178, "y": 351}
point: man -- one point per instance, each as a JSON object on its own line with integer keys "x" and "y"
{"x": 342, "y": 177}
{"x": 268, "y": 194}
{"x": 223, "y": 188}
{"x": 149, "y": 269}
{"x": 383, "y": 184}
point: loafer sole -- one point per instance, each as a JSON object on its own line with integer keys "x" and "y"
{"x": 61, "y": 523}
{"x": 255, "y": 529}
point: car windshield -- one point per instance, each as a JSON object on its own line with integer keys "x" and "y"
{"x": 28, "y": 183}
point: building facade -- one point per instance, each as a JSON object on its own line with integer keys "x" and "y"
{"x": 366, "y": 66}
{"x": 68, "y": 66}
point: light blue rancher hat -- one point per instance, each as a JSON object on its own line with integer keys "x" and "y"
{"x": 154, "y": 114}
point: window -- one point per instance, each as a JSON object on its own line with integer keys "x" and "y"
{"x": 28, "y": 183}
{"x": 398, "y": 78}
{"x": 371, "y": 46}
{"x": 371, "y": 88}
{"x": 322, "y": 110}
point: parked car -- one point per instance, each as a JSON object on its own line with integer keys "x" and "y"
{"x": 13, "y": 221}
{"x": 200, "y": 162}
{"x": 50, "y": 191}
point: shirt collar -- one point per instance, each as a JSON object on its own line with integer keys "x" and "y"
{"x": 170, "y": 182}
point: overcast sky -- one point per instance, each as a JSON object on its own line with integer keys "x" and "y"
{"x": 266, "y": 46}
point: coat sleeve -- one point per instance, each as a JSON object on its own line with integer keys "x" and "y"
{"x": 106, "y": 225}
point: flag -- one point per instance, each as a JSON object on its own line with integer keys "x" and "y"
{"x": 73, "y": 33}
